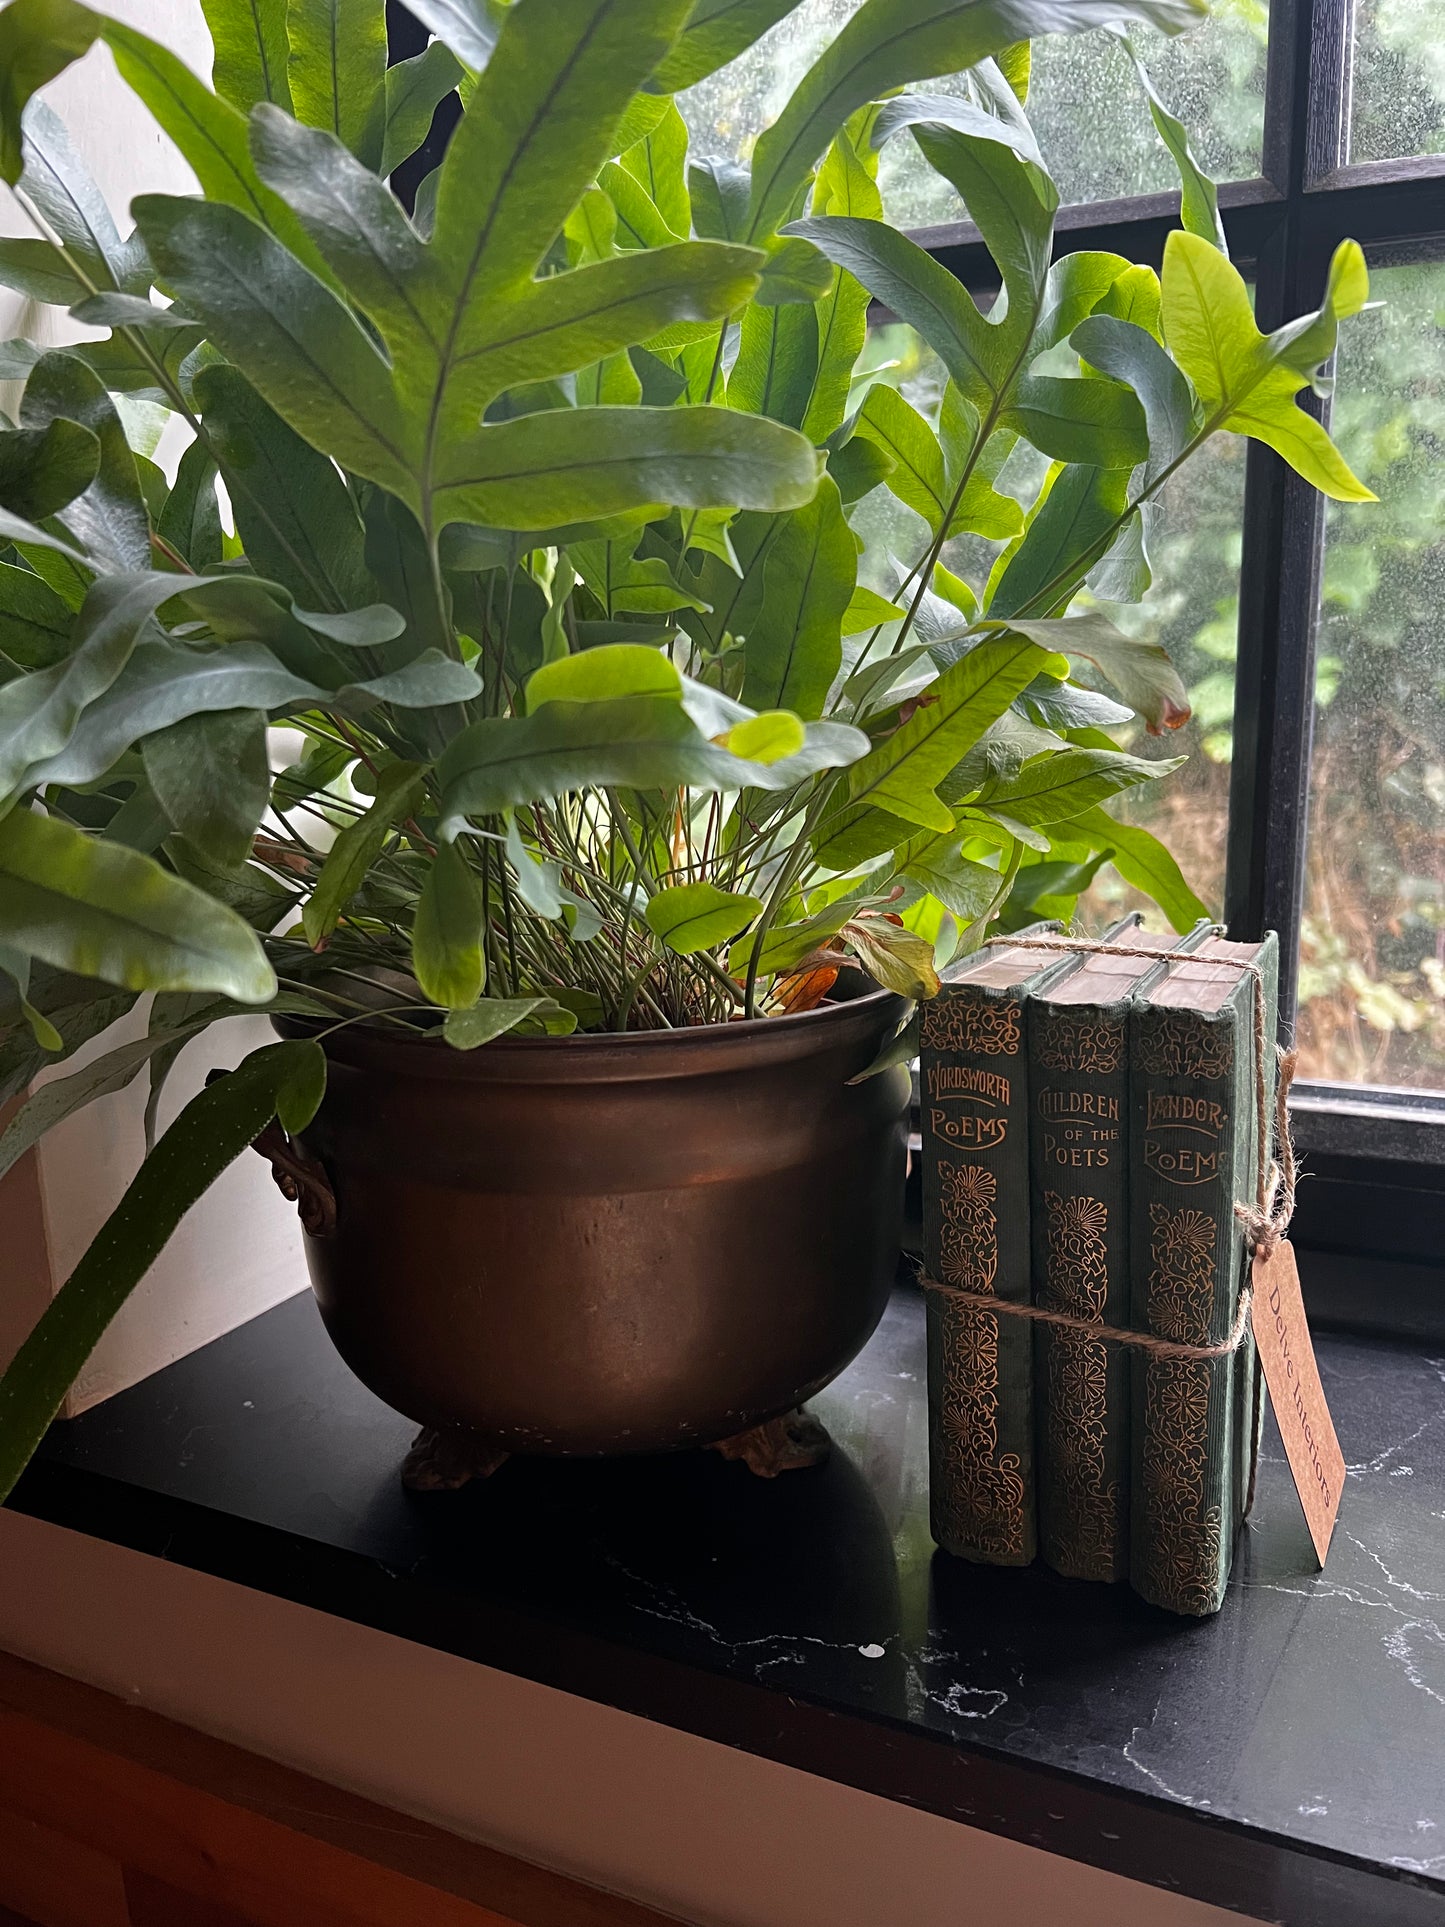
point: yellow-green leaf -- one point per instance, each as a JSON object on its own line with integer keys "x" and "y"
{"x": 768, "y": 737}
{"x": 1247, "y": 380}
{"x": 698, "y": 916}
{"x": 893, "y": 956}
{"x": 337, "y": 70}
{"x": 446, "y": 940}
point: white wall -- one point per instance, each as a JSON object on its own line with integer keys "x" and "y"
{"x": 122, "y": 146}
{"x": 240, "y": 1250}
{"x": 236, "y": 1253}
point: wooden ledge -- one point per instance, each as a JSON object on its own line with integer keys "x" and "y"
{"x": 113, "y": 1816}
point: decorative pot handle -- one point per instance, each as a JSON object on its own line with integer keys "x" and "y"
{"x": 299, "y": 1176}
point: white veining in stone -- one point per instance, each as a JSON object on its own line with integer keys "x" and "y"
{"x": 1151, "y": 1773}
{"x": 662, "y": 1603}
{"x": 953, "y": 1701}
{"x": 1398, "y": 1585}
{"x": 1397, "y": 1645}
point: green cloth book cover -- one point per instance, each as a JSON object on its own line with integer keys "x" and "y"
{"x": 1194, "y": 1151}
{"x": 1078, "y": 1069}
{"x": 1078, "y": 1046}
{"x": 975, "y": 1139}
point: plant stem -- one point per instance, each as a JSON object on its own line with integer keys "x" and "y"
{"x": 162, "y": 547}
{"x": 735, "y": 992}
{"x": 619, "y": 823}
{"x": 624, "y": 1009}
{"x": 792, "y": 867}
{"x": 511, "y": 928}
{"x": 343, "y": 729}
{"x": 1045, "y": 598}
{"x": 999, "y": 898}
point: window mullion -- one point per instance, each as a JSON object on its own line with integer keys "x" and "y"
{"x": 1280, "y": 566}
{"x": 1279, "y": 593}
{"x": 1327, "y": 137}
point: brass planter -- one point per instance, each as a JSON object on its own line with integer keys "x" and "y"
{"x": 605, "y": 1244}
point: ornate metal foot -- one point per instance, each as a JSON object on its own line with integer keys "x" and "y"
{"x": 782, "y": 1445}
{"x": 444, "y": 1459}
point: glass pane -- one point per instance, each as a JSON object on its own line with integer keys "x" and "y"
{"x": 1397, "y": 102}
{"x": 1372, "y": 969}
{"x": 1094, "y": 126}
{"x": 1091, "y": 119}
{"x": 1193, "y": 610}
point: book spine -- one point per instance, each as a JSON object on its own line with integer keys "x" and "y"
{"x": 1192, "y": 1136}
{"x": 1078, "y": 1205}
{"x": 973, "y": 1070}
{"x": 1248, "y": 1372}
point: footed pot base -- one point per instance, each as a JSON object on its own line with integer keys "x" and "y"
{"x": 445, "y": 1458}
{"x": 786, "y": 1444}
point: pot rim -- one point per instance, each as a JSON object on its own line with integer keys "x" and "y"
{"x": 607, "y": 1056}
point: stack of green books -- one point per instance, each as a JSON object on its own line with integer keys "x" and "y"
{"x": 1088, "y": 1123}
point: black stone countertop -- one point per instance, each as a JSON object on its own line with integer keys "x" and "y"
{"x": 1286, "y": 1759}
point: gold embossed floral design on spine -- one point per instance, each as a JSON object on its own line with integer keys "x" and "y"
{"x": 1173, "y": 1044}
{"x": 984, "y": 1507}
{"x": 1078, "y": 1055}
{"x": 1084, "y": 1499}
{"x": 1181, "y": 1550}
{"x": 989, "y": 1028}
{"x": 1079, "y": 1040}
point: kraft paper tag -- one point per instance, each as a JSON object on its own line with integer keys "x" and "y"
{"x": 1282, "y": 1333}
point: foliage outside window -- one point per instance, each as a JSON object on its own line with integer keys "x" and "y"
{"x": 1372, "y": 981}
{"x": 1090, "y": 117}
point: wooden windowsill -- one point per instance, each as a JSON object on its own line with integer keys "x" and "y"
{"x": 111, "y": 1816}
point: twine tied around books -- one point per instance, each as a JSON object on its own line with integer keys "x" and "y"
{"x": 1265, "y": 1221}
{"x": 1094, "y": 1327}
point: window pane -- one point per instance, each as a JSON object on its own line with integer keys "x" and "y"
{"x": 1193, "y": 610}
{"x": 1094, "y": 126}
{"x": 1092, "y": 122}
{"x": 1372, "y": 977}
{"x": 1397, "y": 103}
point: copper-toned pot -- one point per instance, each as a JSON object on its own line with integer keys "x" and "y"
{"x": 607, "y": 1244}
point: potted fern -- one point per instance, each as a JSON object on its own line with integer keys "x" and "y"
{"x": 621, "y": 823}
